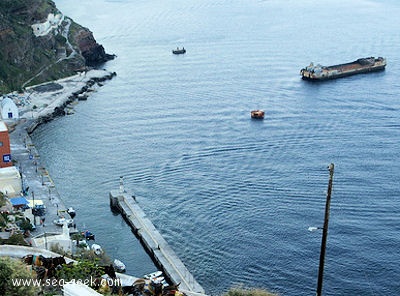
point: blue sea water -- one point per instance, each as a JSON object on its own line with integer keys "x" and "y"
{"x": 233, "y": 196}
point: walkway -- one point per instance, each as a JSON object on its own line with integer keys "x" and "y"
{"x": 36, "y": 177}
{"x": 153, "y": 241}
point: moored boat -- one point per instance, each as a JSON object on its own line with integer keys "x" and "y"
{"x": 179, "y": 51}
{"x": 362, "y": 65}
{"x": 97, "y": 249}
{"x": 88, "y": 235}
{"x": 61, "y": 221}
{"x": 156, "y": 277}
{"x": 119, "y": 265}
{"x": 71, "y": 212}
{"x": 153, "y": 275}
{"x": 257, "y": 114}
{"x": 81, "y": 243}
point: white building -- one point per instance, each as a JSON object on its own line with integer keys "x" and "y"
{"x": 52, "y": 22}
{"x": 8, "y": 109}
{"x": 10, "y": 181}
{"x": 47, "y": 240}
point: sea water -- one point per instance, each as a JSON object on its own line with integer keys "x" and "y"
{"x": 234, "y": 197}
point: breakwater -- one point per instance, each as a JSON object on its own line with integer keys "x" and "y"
{"x": 49, "y": 100}
{"x": 152, "y": 240}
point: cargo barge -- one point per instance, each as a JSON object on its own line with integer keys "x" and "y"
{"x": 362, "y": 65}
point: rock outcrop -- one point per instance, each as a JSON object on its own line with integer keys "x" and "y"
{"x": 93, "y": 52}
{"x": 38, "y": 44}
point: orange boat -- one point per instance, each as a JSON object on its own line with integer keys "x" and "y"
{"x": 257, "y": 114}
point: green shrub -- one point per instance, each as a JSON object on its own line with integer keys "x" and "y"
{"x": 2, "y": 199}
{"x": 3, "y": 221}
{"x": 15, "y": 269}
{"x": 25, "y": 225}
{"x": 17, "y": 240}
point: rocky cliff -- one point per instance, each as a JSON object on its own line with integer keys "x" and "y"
{"x": 38, "y": 44}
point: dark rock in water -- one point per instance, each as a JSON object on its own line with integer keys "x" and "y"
{"x": 58, "y": 111}
{"x": 93, "y": 52}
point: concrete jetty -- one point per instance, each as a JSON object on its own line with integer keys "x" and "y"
{"x": 152, "y": 240}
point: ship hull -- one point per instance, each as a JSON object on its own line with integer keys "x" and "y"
{"x": 319, "y": 73}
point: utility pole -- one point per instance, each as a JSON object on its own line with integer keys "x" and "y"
{"x": 33, "y": 208}
{"x": 325, "y": 231}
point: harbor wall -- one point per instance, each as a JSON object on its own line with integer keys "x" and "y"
{"x": 157, "y": 247}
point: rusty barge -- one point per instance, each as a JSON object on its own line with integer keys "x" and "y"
{"x": 362, "y": 65}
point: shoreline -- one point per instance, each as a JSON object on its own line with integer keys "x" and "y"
{"x": 53, "y": 98}
{"x": 41, "y": 104}
{"x": 44, "y": 102}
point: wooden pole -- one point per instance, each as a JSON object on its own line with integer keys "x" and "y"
{"x": 325, "y": 232}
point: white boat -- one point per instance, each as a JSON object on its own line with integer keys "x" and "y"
{"x": 156, "y": 277}
{"x": 119, "y": 265}
{"x": 153, "y": 275}
{"x": 81, "y": 244}
{"x": 62, "y": 221}
{"x": 97, "y": 249}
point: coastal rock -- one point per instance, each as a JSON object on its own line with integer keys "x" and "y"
{"x": 39, "y": 44}
{"x": 93, "y": 52}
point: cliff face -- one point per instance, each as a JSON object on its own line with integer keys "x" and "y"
{"x": 38, "y": 44}
{"x": 92, "y": 52}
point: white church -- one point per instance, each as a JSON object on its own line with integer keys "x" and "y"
{"x": 9, "y": 109}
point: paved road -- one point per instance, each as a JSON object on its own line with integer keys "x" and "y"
{"x": 36, "y": 177}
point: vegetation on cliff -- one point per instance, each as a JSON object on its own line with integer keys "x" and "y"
{"x": 14, "y": 269}
{"x": 27, "y": 59}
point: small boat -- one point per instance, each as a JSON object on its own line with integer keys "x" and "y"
{"x": 153, "y": 275}
{"x": 156, "y": 277}
{"x": 119, "y": 265}
{"x": 61, "y": 221}
{"x": 97, "y": 249}
{"x": 82, "y": 97}
{"x": 88, "y": 235}
{"x": 179, "y": 51}
{"x": 71, "y": 212}
{"x": 257, "y": 114}
{"x": 81, "y": 244}
{"x": 362, "y": 65}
